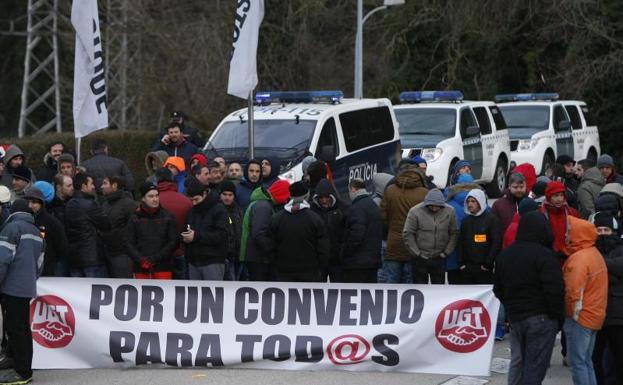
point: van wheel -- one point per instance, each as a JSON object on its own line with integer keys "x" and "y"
{"x": 496, "y": 188}
{"x": 548, "y": 165}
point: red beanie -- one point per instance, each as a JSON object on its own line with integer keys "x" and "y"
{"x": 280, "y": 191}
{"x": 201, "y": 158}
{"x": 554, "y": 188}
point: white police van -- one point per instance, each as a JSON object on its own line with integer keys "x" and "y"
{"x": 356, "y": 137}
{"x": 542, "y": 127}
{"x": 442, "y": 128}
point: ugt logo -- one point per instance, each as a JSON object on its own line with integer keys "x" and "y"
{"x": 463, "y": 326}
{"x": 52, "y": 322}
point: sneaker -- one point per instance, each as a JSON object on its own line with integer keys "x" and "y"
{"x": 11, "y": 377}
{"x": 565, "y": 362}
{"x": 6, "y": 362}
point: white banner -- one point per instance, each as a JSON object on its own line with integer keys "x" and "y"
{"x": 243, "y": 64}
{"x": 97, "y": 323}
{"x": 90, "y": 111}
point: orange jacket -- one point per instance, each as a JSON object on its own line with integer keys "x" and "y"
{"x": 586, "y": 276}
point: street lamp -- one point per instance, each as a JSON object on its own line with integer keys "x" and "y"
{"x": 359, "y": 41}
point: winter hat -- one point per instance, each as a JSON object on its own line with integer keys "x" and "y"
{"x": 526, "y": 205}
{"x": 22, "y": 172}
{"x": 605, "y": 161}
{"x": 306, "y": 162}
{"x": 34, "y": 193}
{"x": 228, "y": 186}
{"x": 418, "y": 159}
{"x": 46, "y": 189}
{"x": 465, "y": 178}
{"x": 564, "y": 159}
{"x": 460, "y": 164}
{"x": 298, "y": 190}
{"x": 66, "y": 158}
{"x": 539, "y": 188}
{"x": 147, "y": 187}
{"x": 177, "y": 162}
{"x": 554, "y": 188}
{"x": 280, "y": 191}
{"x": 528, "y": 172}
{"x": 195, "y": 188}
{"x": 604, "y": 219}
{"x": 200, "y": 157}
{"x": 5, "y": 194}
{"x": 435, "y": 198}
{"x": 21, "y": 206}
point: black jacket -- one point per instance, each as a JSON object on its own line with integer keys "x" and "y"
{"x": 102, "y": 165}
{"x": 209, "y": 221}
{"x": 49, "y": 169}
{"x": 528, "y": 277}
{"x": 53, "y": 233}
{"x": 152, "y": 235}
{"x": 480, "y": 241}
{"x": 119, "y": 207}
{"x": 334, "y": 218}
{"x": 363, "y": 236}
{"x": 57, "y": 208}
{"x": 234, "y": 231}
{"x": 84, "y": 220}
{"x": 301, "y": 241}
{"x": 611, "y": 247}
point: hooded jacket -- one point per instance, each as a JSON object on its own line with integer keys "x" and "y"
{"x": 586, "y": 276}
{"x": 588, "y": 191}
{"x": 7, "y": 176}
{"x": 456, "y": 199}
{"x": 209, "y": 221}
{"x": 274, "y": 172}
{"x": 409, "y": 190}
{"x": 528, "y": 278}
{"x": 505, "y": 209}
{"x": 245, "y": 188}
{"x": 334, "y": 218}
{"x": 431, "y": 235}
{"x": 559, "y": 221}
{"x": 529, "y": 173}
{"x": 256, "y": 244}
{"x": 380, "y": 180}
{"x": 158, "y": 157}
{"x": 152, "y": 234}
{"x": 480, "y": 238}
{"x": 183, "y": 149}
{"x": 364, "y": 235}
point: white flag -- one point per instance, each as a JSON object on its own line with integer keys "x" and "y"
{"x": 90, "y": 112}
{"x": 243, "y": 66}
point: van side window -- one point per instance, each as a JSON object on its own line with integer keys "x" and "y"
{"x": 467, "y": 120}
{"x": 483, "y": 120}
{"x": 559, "y": 116}
{"x": 328, "y": 137}
{"x": 367, "y": 127}
{"x": 500, "y": 123}
{"x": 588, "y": 117}
{"x": 574, "y": 115}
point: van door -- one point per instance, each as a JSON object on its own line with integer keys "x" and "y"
{"x": 472, "y": 145}
{"x": 562, "y": 129}
{"x": 328, "y": 146}
{"x": 578, "y": 132}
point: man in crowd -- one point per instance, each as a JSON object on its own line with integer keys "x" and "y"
{"x": 568, "y": 177}
{"x": 21, "y": 253}
{"x": 201, "y": 173}
{"x": 408, "y": 191}
{"x": 529, "y": 283}
{"x": 234, "y": 270}
{"x": 84, "y": 222}
{"x": 101, "y": 165}
{"x": 216, "y": 175}
{"x": 334, "y": 212}
{"x": 586, "y": 294}
{"x": 558, "y": 212}
{"x": 191, "y": 134}
{"x": 301, "y": 242}
{"x": 270, "y": 171}
{"x": 51, "y": 231}
{"x": 460, "y": 167}
{"x": 175, "y": 144}
{"x": 430, "y": 234}
{"x": 588, "y": 191}
{"x": 50, "y": 162}
{"x": 361, "y": 254}
{"x": 251, "y": 180}
{"x": 5, "y": 203}
{"x": 605, "y": 164}
{"x": 13, "y": 158}
{"x": 22, "y": 179}
{"x": 234, "y": 172}
{"x": 480, "y": 240}
{"x": 582, "y": 166}
{"x": 67, "y": 165}
{"x": 506, "y": 207}
{"x": 176, "y": 165}
{"x": 151, "y": 237}
{"x": 198, "y": 159}
{"x": 63, "y": 191}
{"x": 154, "y": 160}
{"x": 221, "y": 161}
{"x": 119, "y": 206}
{"x": 205, "y": 235}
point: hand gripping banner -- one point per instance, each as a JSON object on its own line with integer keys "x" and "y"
{"x": 97, "y": 323}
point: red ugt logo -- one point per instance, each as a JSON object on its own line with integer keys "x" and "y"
{"x": 52, "y": 322}
{"x": 463, "y": 326}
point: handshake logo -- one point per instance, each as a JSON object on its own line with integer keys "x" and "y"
{"x": 52, "y": 322}
{"x": 463, "y": 326}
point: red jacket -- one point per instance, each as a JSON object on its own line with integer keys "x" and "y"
{"x": 511, "y": 232}
{"x": 176, "y": 203}
{"x": 559, "y": 220}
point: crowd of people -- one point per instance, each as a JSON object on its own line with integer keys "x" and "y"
{"x": 551, "y": 246}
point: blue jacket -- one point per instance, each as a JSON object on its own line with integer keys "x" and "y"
{"x": 21, "y": 256}
{"x": 184, "y": 150}
{"x": 456, "y": 199}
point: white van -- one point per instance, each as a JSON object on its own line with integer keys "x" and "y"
{"x": 443, "y": 128}
{"x": 542, "y": 127}
{"x": 356, "y": 137}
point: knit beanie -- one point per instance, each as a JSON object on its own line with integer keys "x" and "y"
{"x": 298, "y": 190}
{"x": 526, "y": 205}
{"x": 554, "y": 188}
{"x": 604, "y": 219}
{"x": 605, "y": 161}
{"x": 147, "y": 187}
{"x": 280, "y": 191}
{"x": 20, "y": 205}
{"x": 228, "y": 186}
{"x": 177, "y": 162}
{"x": 22, "y": 172}
{"x": 46, "y": 189}
{"x": 195, "y": 188}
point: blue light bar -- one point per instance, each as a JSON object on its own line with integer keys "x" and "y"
{"x": 430, "y": 96}
{"x": 525, "y": 97}
{"x": 264, "y": 98}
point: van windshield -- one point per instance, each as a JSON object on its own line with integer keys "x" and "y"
{"x": 283, "y": 139}
{"x": 427, "y": 121}
{"x": 533, "y": 118}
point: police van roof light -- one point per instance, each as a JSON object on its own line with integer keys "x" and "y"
{"x": 526, "y": 97}
{"x": 333, "y": 97}
{"x": 430, "y": 96}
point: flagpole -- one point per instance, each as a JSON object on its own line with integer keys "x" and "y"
{"x": 78, "y": 143}
{"x": 251, "y": 127}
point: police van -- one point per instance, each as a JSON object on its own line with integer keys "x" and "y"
{"x": 542, "y": 127}
{"x": 356, "y": 137}
{"x": 442, "y": 128}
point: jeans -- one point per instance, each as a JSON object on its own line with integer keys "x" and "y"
{"x": 433, "y": 267}
{"x": 17, "y": 325}
{"x": 98, "y": 271}
{"x": 580, "y": 345}
{"x": 211, "y": 272}
{"x": 532, "y": 343}
{"x": 397, "y": 272}
{"x": 236, "y": 271}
